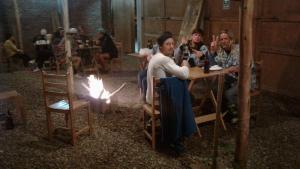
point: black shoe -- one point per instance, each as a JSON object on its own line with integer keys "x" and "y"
{"x": 178, "y": 149}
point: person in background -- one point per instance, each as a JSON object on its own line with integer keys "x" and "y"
{"x": 11, "y": 51}
{"x": 146, "y": 54}
{"x": 226, "y": 54}
{"x": 193, "y": 50}
{"x": 82, "y": 34}
{"x": 57, "y": 43}
{"x": 59, "y": 48}
{"x": 43, "y": 49}
{"x": 108, "y": 49}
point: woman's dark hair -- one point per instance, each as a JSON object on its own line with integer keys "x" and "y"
{"x": 166, "y": 35}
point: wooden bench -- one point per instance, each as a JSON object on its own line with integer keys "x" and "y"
{"x": 17, "y": 100}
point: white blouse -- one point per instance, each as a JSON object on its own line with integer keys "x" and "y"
{"x": 161, "y": 66}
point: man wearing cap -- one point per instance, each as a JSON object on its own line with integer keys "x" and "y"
{"x": 43, "y": 49}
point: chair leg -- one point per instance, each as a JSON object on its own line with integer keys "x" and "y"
{"x": 198, "y": 131}
{"x": 153, "y": 133}
{"x": 49, "y": 124}
{"x": 89, "y": 119}
{"x": 223, "y": 123}
{"x": 73, "y": 132}
{"x": 57, "y": 67}
{"x": 67, "y": 120}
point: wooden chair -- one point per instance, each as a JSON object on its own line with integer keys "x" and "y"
{"x": 152, "y": 114}
{"x": 58, "y": 98}
{"x": 17, "y": 99}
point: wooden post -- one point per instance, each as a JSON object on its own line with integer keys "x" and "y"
{"x": 139, "y": 23}
{"x": 246, "y": 52}
{"x": 218, "y": 121}
{"x": 18, "y": 22}
{"x": 67, "y": 39}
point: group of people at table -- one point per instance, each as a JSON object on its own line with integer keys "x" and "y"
{"x": 165, "y": 61}
{"x": 52, "y": 47}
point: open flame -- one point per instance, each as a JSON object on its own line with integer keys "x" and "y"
{"x": 96, "y": 89}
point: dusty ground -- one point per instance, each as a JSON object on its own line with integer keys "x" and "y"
{"x": 118, "y": 141}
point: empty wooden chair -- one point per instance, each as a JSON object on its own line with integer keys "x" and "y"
{"x": 59, "y": 98}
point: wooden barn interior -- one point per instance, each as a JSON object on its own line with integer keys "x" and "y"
{"x": 266, "y": 134}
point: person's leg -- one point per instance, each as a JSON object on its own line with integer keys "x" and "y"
{"x": 76, "y": 60}
{"x": 144, "y": 87}
{"x": 102, "y": 58}
{"x": 25, "y": 58}
{"x": 231, "y": 95}
{"x": 141, "y": 75}
{"x": 39, "y": 60}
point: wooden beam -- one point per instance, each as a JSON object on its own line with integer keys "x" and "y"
{"x": 67, "y": 40}
{"x": 191, "y": 18}
{"x": 18, "y": 22}
{"x": 246, "y": 53}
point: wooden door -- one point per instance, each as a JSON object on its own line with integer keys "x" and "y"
{"x": 160, "y": 16}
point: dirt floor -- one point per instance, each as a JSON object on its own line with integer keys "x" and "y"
{"x": 118, "y": 140}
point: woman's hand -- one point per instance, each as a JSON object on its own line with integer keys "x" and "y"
{"x": 184, "y": 40}
{"x": 185, "y": 63}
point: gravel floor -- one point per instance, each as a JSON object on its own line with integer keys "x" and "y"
{"x": 118, "y": 141}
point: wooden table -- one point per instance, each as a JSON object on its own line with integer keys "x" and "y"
{"x": 196, "y": 74}
{"x": 142, "y": 59}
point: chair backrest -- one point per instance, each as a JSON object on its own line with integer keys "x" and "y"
{"x": 155, "y": 93}
{"x": 57, "y": 87}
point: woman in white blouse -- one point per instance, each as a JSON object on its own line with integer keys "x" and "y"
{"x": 162, "y": 65}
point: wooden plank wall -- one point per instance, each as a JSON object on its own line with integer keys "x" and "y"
{"x": 124, "y": 25}
{"x": 278, "y": 45}
{"x": 277, "y": 39}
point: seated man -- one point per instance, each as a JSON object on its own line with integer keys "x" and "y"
{"x": 43, "y": 49}
{"x": 11, "y": 51}
{"x": 59, "y": 51}
{"x": 226, "y": 54}
{"x": 108, "y": 49}
{"x": 193, "y": 50}
{"x": 162, "y": 65}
